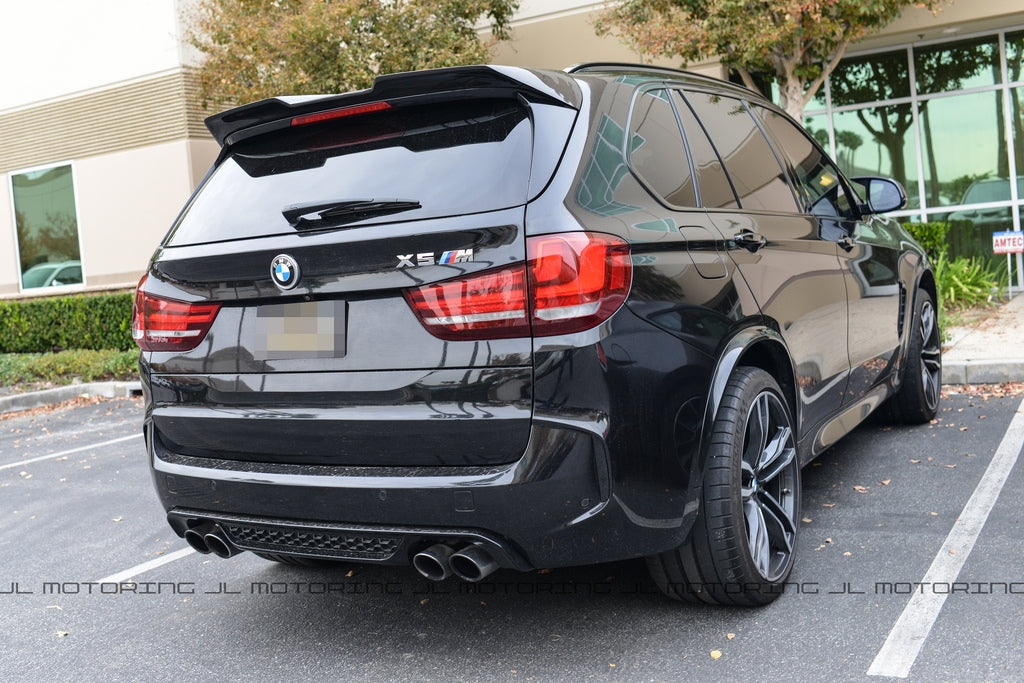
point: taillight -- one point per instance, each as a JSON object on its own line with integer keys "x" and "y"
{"x": 569, "y": 283}
{"x": 160, "y": 324}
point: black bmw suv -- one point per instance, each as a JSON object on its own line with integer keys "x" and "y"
{"x": 489, "y": 317}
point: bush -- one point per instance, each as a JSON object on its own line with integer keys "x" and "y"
{"x": 964, "y": 282}
{"x": 931, "y": 236}
{"x": 69, "y": 322}
{"x": 64, "y": 366}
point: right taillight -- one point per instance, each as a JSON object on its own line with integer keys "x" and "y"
{"x": 569, "y": 283}
{"x": 160, "y": 324}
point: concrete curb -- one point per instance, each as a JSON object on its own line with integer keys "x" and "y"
{"x": 35, "y": 399}
{"x": 982, "y": 371}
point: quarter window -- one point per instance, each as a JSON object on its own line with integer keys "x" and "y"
{"x": 656, "y": 151}
{"x": 47, "y": 226}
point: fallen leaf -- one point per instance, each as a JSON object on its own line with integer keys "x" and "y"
{"x": 934, "y": 514}
{"x": 952, "y": 551}
{"x": 117, "y": 519}
{"x": 61, "y": 634}
{"x": 828, "y": 505}
{"x": 716, "y": 654}
{"x": 860, "y": 489}
{"x": 730, "y": 636}
{"x": 806, "y": 520}
{"x": 543, "y": 571}
{"x": 349, "y": 574}
{"x": 963, "y": 429}
{"x": 950, "y": 466}
{"x": 424, "y": 601}
{"x": 828, "y": 540}
{"x": 885, "y": 482}
{"x": 970, "y": 455}
{"x": 915, "y": 461}
{"x": 847, "y": 554}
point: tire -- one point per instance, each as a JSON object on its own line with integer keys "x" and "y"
{"x": 741, "y": 548}
{"x": 917, "y": 400}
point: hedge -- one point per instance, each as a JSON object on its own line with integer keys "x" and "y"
{"x": 96, "y": 322}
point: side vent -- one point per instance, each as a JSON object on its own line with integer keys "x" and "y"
{"x": 903, "y": 310}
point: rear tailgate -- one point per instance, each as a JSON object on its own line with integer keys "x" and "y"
{"x": 338, "y": 370}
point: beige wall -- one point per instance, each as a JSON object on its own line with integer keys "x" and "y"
{"x": 126, "y": 203}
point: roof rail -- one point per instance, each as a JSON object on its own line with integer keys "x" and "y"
{"x": 627, "y": 66}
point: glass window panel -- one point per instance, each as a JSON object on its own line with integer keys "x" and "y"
{"x": 957, "y": 66}
{"x": 874, "y": 78}
{"x": 1017, "y": 124}
{"x": 755, "y": 172}
{"x": 963, "y": 142}
{"x": 656, "y": 151}
{"x": 879, "y": 141}
{"x": 47, "y": 227}
{"x": 1015, "y": 56}
{"x": 715, "y": 190}
{"x": 817, "y": 179}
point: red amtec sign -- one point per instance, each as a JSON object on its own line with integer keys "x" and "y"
{"x": 1011, "y": 242}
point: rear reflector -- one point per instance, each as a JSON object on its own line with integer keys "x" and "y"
{"x": 354, "y": 110}
{"x": 160, "y": 324}
{"x": 570, "y": 282}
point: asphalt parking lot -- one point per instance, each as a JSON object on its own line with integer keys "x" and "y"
{"x": 910, "y": 564}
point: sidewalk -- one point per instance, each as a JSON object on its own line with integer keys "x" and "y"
{"x": 989, "y": 353}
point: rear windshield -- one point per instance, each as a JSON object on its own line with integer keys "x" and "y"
{"x": 428, "y": 161}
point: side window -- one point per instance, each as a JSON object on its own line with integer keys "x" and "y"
{"x": 713, "y": 184}
{"x": 817, "y": 179}
{"x": 656, "y": 151}
{"x": 759, "y": 180}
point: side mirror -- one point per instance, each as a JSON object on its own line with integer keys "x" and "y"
{"x": 883, "y": 194}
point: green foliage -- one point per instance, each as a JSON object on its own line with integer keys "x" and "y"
{"x": 69, "y": 322}
{"x": 799, "y": 41}
{"x": 64, "y": 366}
{"x": 931, "y": 236}
{"x": 263, "y": 48}
{"x": 964, "y": 282}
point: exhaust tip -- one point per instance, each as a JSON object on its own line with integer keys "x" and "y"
{"x": 219, "y": 546}
{"x": 433, "y": 563}
{"x": 197, "y": 539}
{"x": 473, "y": 563}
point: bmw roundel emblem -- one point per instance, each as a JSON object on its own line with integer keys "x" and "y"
{"x": 284, "y": 271}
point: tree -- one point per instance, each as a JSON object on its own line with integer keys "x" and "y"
{"x": 800, "y": 42}
{"x": 262, "y": 48}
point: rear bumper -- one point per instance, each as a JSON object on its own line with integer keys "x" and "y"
{"x": 556, "y": 506}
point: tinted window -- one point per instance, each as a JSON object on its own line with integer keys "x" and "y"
{"x": 452, "y": 158}
{"x": 656, "y": 151}
{"x": 755, "y": 172}
{"x": 713, "y": 184}
{"x": 817, "y": 179}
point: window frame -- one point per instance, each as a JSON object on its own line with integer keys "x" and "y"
{"x": 59, "y": 289}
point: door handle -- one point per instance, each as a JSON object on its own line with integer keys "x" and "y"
{"x": 749, "y": 240}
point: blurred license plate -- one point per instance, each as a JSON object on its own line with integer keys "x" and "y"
{"x": 310, "y": 329}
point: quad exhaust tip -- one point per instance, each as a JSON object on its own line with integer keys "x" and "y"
{"x": 433, "y": 563}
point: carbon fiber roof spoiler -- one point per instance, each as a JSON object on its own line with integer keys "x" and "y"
{"x": 552, "y": 87}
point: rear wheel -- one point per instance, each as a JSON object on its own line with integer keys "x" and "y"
{"x": 917, "y": 400}
{"x": 741, "y": 548}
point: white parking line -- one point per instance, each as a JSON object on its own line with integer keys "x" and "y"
{"x": 146, "y": 566}
{"x": 907, "y": 637}
{"x": 51, "y": 456}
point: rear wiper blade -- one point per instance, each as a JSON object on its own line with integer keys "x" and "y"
{"x": 316, "y": 215}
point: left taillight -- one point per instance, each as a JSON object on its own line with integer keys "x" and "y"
{"x": 570, "y": 282}
{"x": 160, "y": 324}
